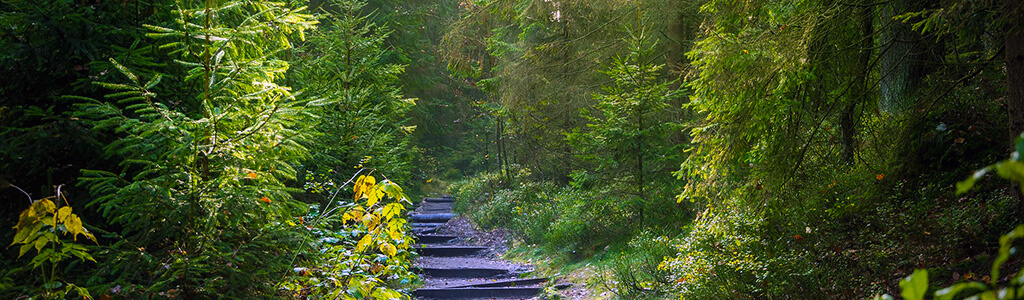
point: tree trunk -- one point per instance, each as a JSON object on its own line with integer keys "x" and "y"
{"x": 1014, "y": 45}
{"x": 860, "y": 91}
{"x": 1014, "y": 41}
{"x": 896, "y": 60}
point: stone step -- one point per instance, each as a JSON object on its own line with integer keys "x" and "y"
{"x": 439, "y": 200}
{"x": 434, "y": 238}
{"x": 431, "y": 217}
{"x": 524, "y": 282}
{"x": 432, "y": 211}
{"x": 486, "y": 292}
{"x": 463, "y": 272}
{"x": 424, "y": 230}
{"x": 448, "y": 250}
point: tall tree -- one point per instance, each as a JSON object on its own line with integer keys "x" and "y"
{"x": 205, "y": 144}
{"x": 1014, "y": 45}
{"x": 347, "y": 78}
{"x": 628, "y": 134}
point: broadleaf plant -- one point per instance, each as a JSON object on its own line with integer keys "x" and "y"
{"x": 44, "y": 227}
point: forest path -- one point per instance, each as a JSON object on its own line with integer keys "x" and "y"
{"x": 457, "y": 262}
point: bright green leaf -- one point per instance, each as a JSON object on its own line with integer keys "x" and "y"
{"x": 915, "y": 285}
{"x": 40, "y": 243}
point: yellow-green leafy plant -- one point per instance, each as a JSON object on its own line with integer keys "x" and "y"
{"x": 44, "y": 227}
{"x": 366, "y": 248}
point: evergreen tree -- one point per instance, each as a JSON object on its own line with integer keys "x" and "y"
{"x": 630, "y": 140}
{"x": 205, "y": 144}
{"x": 354, "y": 93}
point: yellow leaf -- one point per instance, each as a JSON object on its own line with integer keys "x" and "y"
{"x": 394, "y": 234}
{"x": 354, "y": 214}
{"x": 370, "y": 220}
{"x": 363, "y": 243}
{"x": 389, "y": 249}
{"x": 74, "y": 226}
{"x": 63, "y": 213}
{"x": 44, "y": 206}
{"x": 357, "y": 189}
{"x": 372, "y": 197}
{"x": 27, "y": 218}
{"x": 392, "y": 210}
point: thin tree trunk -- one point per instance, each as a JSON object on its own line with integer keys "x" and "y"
{"x": 1014, "y": 40}
{"x": 1014, "y": 45}
{"x": 850, "y": 119}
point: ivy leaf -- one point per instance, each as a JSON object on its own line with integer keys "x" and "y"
{"x": 915, "y": 285}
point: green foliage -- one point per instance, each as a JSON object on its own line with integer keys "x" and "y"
{"x": 571, "y": 222}
{"x": 351, "y": 87}
{"x": 1011, "y": 168}
{"x": 539, "y": 63}
{"x": 194, "y": 140}
{"x": 632, "y": 139}
{"x": 637, "y": 271}
{"x": 915, "y": 286}
{"x": 200, "y": 193}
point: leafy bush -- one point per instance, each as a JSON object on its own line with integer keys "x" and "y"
{"x": 572, "y": 222}
{"x": 357, "y": 249}
{"x": 637, "y": 271}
